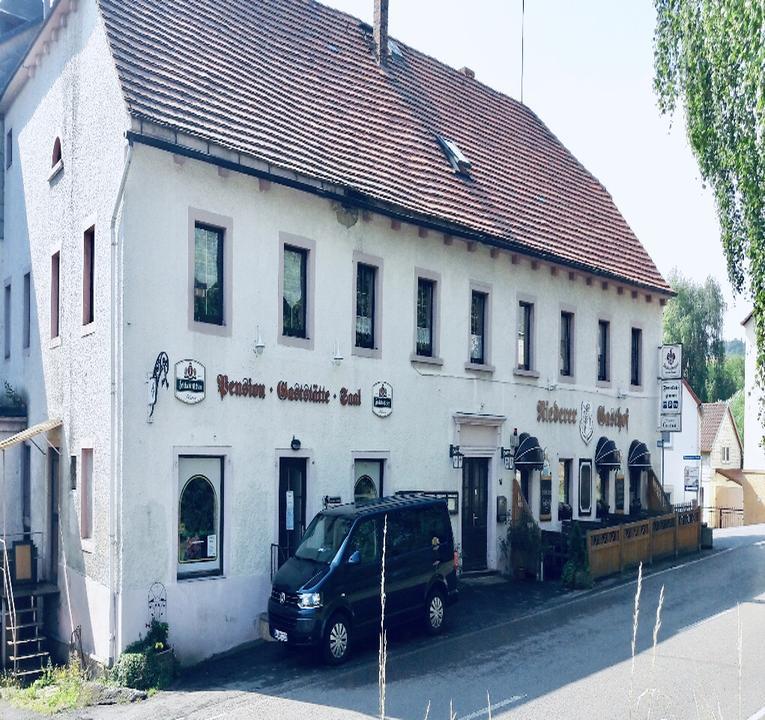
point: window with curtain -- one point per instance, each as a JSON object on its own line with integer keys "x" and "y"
{"x": 208, "y": 274}
{"x": 294, "y": 297}
{"x": 478, "y": 328}
{"x": 366, "y": 276}
{"x": 425, "y": 302}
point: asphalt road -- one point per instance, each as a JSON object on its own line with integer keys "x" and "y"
{"x": 570, "y": 659}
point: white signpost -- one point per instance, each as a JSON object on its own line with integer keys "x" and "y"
{"x": 671, "y": 388}
{"x": 671, "y": 362}
{"x": 691, "y": 478}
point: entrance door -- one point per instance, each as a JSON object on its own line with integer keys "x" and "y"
{"x": 368, "y": 480}
{"x": 475, "y": 482}
{"x": 292, "y": 476}
{"x": 53, "y": 494}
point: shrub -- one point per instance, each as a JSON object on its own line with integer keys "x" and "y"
{"x": 144, "y": 665}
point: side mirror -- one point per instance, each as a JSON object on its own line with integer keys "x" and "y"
{"x": 355, "y": 558}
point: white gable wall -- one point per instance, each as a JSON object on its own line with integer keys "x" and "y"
{"x": 74, "y": 94}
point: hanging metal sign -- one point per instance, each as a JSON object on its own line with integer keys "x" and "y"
{"x": 670, "y": 362}
{"x": 189, "y": 381}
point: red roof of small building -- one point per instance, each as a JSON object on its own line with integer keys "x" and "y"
{"x": 295, "y": 84}
{"x": 712, "y": 415}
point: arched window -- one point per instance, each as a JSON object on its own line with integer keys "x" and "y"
{"x": 198, "y": 521}
{"x": 365, "y": 489}
{"x": 56, "y": 159}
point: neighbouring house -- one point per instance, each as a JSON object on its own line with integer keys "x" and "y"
{"x": 682, "y": 452}
{"x": 721, "y": 450}
{"x": 259, "y": 257}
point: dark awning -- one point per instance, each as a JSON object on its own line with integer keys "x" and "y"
{"x": 606, "y": 454}
{"x": 639, "y": 456}
{"x": 529, "y": 455}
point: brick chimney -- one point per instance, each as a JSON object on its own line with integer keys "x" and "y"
{"x": 381, "y": 31}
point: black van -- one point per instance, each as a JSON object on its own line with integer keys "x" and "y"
{"x": 328, "y": 594}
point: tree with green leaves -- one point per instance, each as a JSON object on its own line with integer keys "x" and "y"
{"x": 709, "y": 58}
{"x": 694, "y": 317}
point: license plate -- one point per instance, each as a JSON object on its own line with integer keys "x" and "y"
{"x": 280, "y": 635}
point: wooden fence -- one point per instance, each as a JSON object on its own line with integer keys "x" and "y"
{"x": 613, "y": 549}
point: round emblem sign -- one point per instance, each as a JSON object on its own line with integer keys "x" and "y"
{"x": 189, "y": 381}
{"x": 382, "y": 399}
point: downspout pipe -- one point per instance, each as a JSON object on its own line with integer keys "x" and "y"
{"x": 115, "y": 490}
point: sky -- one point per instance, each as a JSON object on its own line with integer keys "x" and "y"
{"x": 588, "y": 74}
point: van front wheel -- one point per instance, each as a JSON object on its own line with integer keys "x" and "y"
{"x": 337, "y": 640}
{"x": 435, "y": 612}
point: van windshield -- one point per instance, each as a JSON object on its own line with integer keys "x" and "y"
{"x": 324, "y": 537}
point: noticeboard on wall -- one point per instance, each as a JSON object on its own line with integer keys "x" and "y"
{"x": 545, "y": 506}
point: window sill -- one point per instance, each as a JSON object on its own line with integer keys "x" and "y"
{"x": 209, "y": 575}
{"x": 88, "y": 545}
{"x": 425, "y": 359}
{"x": 636, "y": 388}
{"x": 367, "y": 352}
{"x": 296, "y": 342}
{"x": 88, "y": 329}
{"x": 55, "y": 171}
{"x": 603, "y": 383}
{"x": 54, "y": 342}
{"x": 479, "y": 367}
{"x": 210, "y": 328}
{"x": 520, "y": 372}
{"x": 569, "y": 379}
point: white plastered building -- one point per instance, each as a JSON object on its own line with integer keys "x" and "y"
{"x": 326, "y": 330}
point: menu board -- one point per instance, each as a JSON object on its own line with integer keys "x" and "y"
{"x": 619, "y": 494}
{"x": 545, "y": 507}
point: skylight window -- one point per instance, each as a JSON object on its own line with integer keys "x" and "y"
{"x": 455, "y": 156}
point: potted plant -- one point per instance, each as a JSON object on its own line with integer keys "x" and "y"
{"x": 525, "y": 541}
{"x": 565, "y": 511}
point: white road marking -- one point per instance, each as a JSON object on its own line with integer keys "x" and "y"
{"x": 494, "y": 706}
{"x": 758, "y": 715}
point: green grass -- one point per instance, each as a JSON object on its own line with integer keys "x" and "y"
{"x": 55, "y": 690}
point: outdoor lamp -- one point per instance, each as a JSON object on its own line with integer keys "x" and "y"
{"x": 456, "y": 456}
{"x": 260, "y": 346}
{"x": 295, "y": 444}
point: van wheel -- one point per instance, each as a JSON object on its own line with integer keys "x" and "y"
{"x": 337, "y": 640}
{"x": 435, "y": 612}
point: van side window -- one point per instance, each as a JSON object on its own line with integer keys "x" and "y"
{"x": 404, "y": 534}
{"x": 434, "y": 526}
{"x": 366, "y": 540}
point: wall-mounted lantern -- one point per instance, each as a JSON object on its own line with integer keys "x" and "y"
{"x": 337, "y": 358}
{"x": 295, "y": 444}
{"x": 259, "y": 346}
{"x": 456, "y": 456}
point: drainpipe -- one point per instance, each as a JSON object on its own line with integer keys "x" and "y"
{"x": 115, "y": 493}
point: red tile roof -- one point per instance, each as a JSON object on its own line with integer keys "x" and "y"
{"x": 712, "y": 415}
{"x": 295, "y": 84}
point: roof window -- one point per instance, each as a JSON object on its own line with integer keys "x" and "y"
{"x": 459, "y": 162}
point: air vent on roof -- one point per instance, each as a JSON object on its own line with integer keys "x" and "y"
{"x": 467, "y": 72}
{"x": 459, "y": 162}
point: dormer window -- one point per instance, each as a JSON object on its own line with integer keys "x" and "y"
{"x": 455, "y": 156}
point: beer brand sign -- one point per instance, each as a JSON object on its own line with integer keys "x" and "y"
{"x": 189, "y": 381}
{"x": 382, "y": 399}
